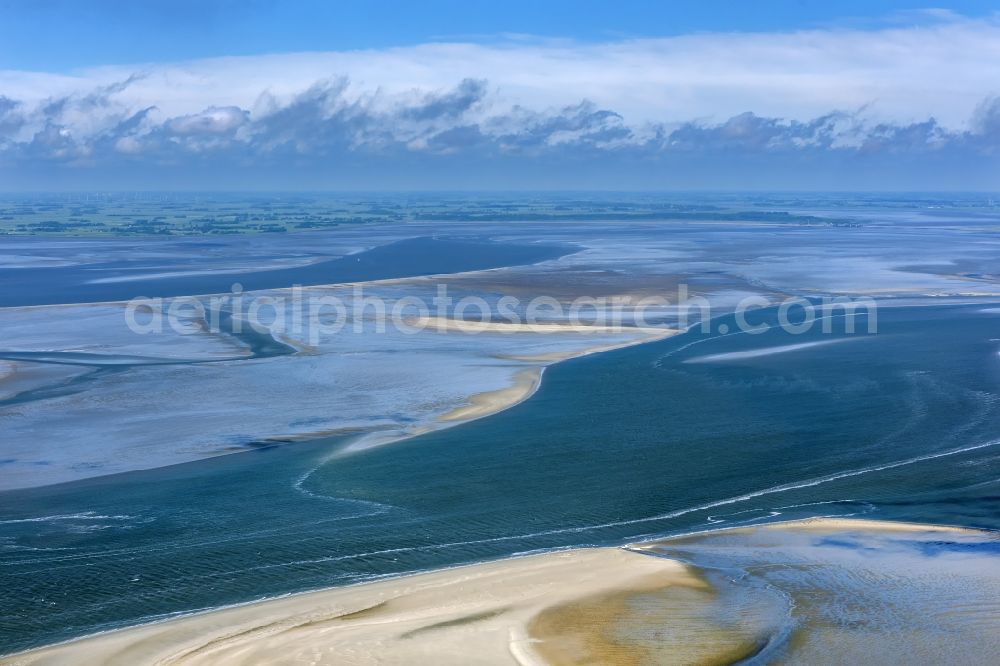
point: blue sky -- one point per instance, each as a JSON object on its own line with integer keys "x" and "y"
{"x": 487, "y": 95}
{"x": 60, "y": 35}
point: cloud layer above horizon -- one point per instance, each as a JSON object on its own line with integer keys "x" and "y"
{"x": 906, "y": 104}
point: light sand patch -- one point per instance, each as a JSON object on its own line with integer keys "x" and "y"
{"x": 447, "y": 325}
{"x": 476, "y": 614}
{"x": 526, "y": 382}
{"x": 635, "y": 334}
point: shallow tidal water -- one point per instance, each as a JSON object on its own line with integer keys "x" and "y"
{"x": 698, "y": 431}
{"x": 845, "y": 594}
{"x": 152, "y": 272}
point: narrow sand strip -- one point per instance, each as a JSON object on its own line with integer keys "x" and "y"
{"x": 446, "y": 324}
{"x": 817, "y": 525}
{"x": 847, "y": 524}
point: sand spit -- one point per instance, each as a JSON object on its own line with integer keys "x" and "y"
{"x": 448, "y": 324}
{"x": 525, "y": 383}
{"x": 652, "y": 335}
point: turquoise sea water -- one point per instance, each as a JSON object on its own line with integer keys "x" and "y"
{"x": 652, "y": 440}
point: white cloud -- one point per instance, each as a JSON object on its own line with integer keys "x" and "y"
{"x": 214, "y": 120}
{"x": 904, "y": 73}
{"x": 811, "y": 90}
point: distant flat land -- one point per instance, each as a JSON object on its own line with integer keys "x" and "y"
{"x": 212, "y": 214}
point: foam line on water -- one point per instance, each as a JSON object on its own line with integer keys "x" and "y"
{"x": 766, "y": 327}
{"x": 763, "y": 351}
{"x": 665, "y": 516}
{"x": 87, "y": 515}
{"x": 820, "y": 480}
{"x": 86, "y": 558}
{"x": 681, "y": 512}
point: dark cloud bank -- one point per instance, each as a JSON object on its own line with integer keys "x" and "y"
{"x": 457, "y": 139}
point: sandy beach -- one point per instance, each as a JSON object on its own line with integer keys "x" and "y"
{"x": 630, "y": 605}
{"x": 478, "y": 614}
